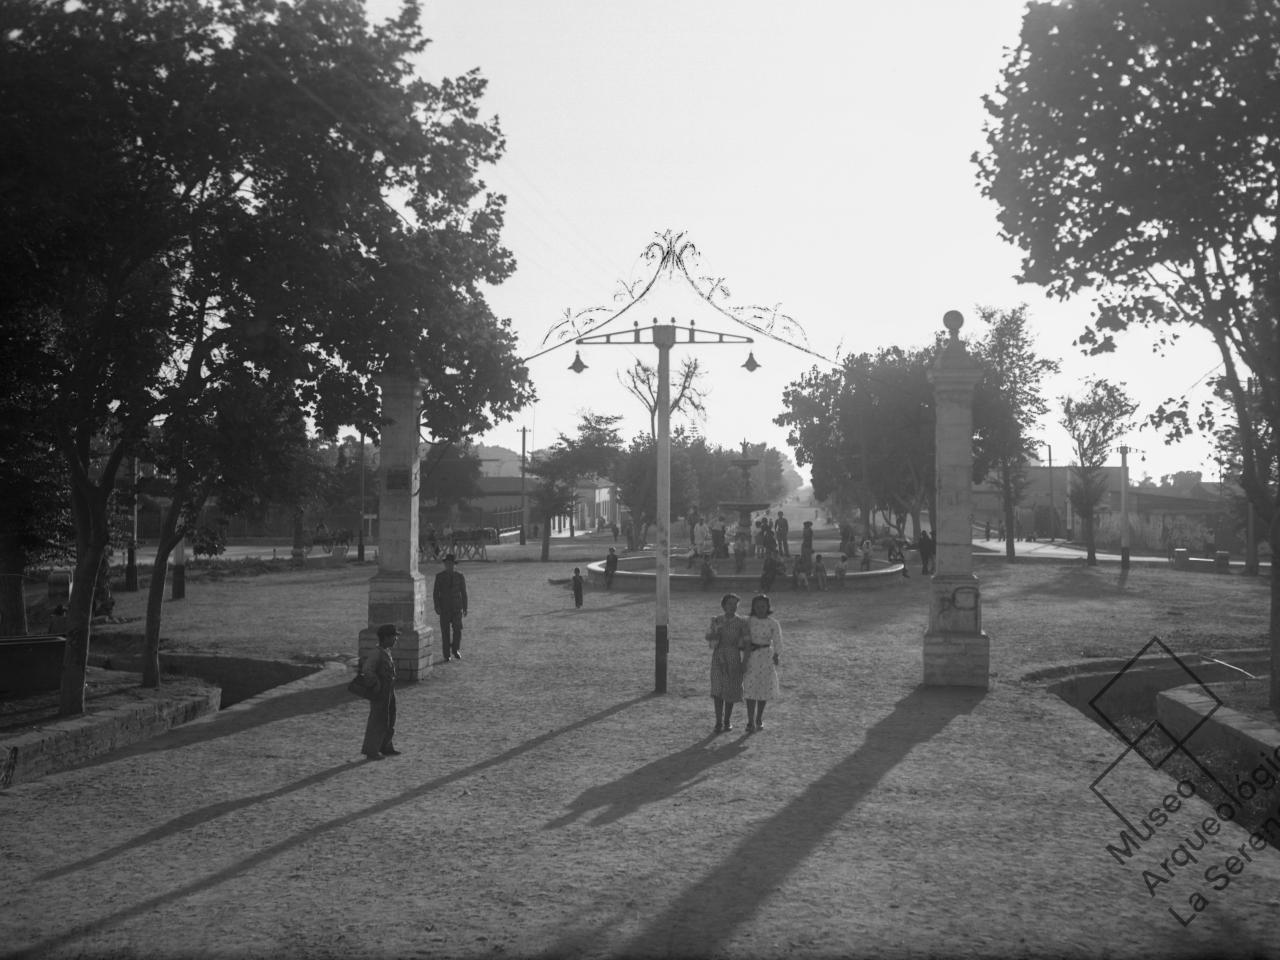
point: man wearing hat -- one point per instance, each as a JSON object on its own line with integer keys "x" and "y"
{"x": 450, "y": 598}
{"x": 379, "y": 665}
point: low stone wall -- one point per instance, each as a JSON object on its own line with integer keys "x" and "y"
{"x": 684, "y": 578}
{"x": 61, "y": 744}
{"x": 239, "y": 678}
{"x": 1186, "y": 709}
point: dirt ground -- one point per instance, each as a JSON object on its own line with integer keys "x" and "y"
{"x": 547, "y": 804}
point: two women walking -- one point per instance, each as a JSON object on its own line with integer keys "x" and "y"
{"x": 744, "y": 660}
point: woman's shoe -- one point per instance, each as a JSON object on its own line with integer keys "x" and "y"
{"x": 719, "y": 728}
{"x": 728, "y": 727}
{"x": 751, "y": 728}
{"x": 374, "y": 756}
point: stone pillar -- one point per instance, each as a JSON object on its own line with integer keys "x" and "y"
{"x": 957, "y": 653}
{"x": 398, "y": 592}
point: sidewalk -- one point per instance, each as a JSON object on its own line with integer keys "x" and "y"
{"x": 547, "y": 805}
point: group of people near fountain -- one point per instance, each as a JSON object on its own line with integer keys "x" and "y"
{"x": 745, "y": 654}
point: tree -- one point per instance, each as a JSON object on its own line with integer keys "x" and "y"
{"x": 687, "y": 395}
{"x": 1094, "y": 422}
{"x": 592, "y": 453}
{"x": 1008, "y": 405}
{"x": 636, "y": 473}
{"x": 449, "y": 476}
{"x": 199, "y": 191}
{"x": 866, "y": 428}
{"x": 1131, "y": 150}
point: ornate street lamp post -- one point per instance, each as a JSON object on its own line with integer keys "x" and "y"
{"x": 664, "y": 337}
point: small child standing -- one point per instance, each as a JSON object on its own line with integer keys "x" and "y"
{"x": 577, "y": 587}
{"x": 819, "y": 572}
{"x": 842, "y": 568}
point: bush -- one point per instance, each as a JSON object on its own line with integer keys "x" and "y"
{"x": 207, "y": 541}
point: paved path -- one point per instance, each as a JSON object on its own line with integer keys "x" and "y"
{"x": 547, "y": 805}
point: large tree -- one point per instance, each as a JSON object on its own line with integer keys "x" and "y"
{"x": 1095, "y": 420}
{"x": 197, "y": 191}
{"x": 1008, "y": 405}
{"x": 866, "y": 427}
{"x": 1132, "y": 152}
{"x": 591, "y": 454}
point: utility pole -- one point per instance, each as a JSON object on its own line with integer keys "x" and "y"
{"x": 1053, "y": 513}
{"x": 360, "y": 534}
{"x": 524, "y": 506}
{"x": 1124, "y": 508}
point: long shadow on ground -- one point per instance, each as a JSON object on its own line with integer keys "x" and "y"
{"x": 703, "y": 918}
{"x": 280, "y": 847}
{"x": 649, "y": 784}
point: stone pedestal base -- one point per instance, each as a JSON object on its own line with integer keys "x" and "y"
{"x": 401, "y": 599}
{"x": 957, "y": 660}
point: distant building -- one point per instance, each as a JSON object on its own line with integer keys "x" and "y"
{"x": 1199, "y": 517}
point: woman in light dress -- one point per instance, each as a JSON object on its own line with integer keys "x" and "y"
{"x": 727, "y": 637}
{"x": 760, "y": 669}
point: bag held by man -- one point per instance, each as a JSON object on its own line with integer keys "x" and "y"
{"x": 363, "y": 686}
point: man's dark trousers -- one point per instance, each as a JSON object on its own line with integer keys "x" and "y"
{"x": 450, "y": 633}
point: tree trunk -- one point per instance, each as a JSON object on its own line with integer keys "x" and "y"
{"x": 75, "y": 661}
{"x": 1091, "y": 555}
{"x": 13, "y": 593}
{"x": 1010, "y": 554}
{"x": 546, "y": 538}
{"x": 1275, "y": 612}
{"x": 167, "y": 540}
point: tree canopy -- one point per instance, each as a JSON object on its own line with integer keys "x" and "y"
{"x": 195, "y": 192}
{"x": 1131, "y": 148}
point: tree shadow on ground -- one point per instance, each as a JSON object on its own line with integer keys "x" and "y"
{"x": 653, "y": 782}
{"x": 1076, "y": 582}
{"x": 284, "y": 846}
{"x": 702, "y": 920}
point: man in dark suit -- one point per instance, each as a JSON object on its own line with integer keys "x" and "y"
{"x": 449, "y": 597}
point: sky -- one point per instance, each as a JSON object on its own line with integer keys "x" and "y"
{"x": 817, "y": 155}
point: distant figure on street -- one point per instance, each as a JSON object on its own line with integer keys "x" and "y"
{"x": 449, "y": 596}
{"x": 927, "y": 548}
{"x": 819, "y": 573}
{"x": 987, "y": 533}
{"x": 781, "y": 530}
{"x": 806, "y": 544}
{"x": 707, "y": 573}
{"x": 380, "y": 728}
{"x": 864, "y": 553}
{"x": 613, "y": 528}
{"x": 896, "y": 556}
{"x": 610, "y": 568}
{"x": 842, "y": 568}
{"x": 577, "y": 587}
{"x": 739, "y": 553}
{"x": 769, "y": 572}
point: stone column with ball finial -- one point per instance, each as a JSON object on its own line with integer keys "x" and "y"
{"x": 398, "y": 591}
{"x": 956, "y": 650}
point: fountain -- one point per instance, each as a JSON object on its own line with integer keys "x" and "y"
{"x": 746, "y": 506}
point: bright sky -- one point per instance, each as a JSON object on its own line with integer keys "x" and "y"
{"x": 816, "y": 153}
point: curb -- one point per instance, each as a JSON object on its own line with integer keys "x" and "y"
{"x": 62, "y": 744}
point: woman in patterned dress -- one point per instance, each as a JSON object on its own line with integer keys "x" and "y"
{"x": 760, "y": 670}
{"x": 727, "y": 638}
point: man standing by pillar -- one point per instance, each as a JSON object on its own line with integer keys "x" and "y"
{"x": 450, "y": 598}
